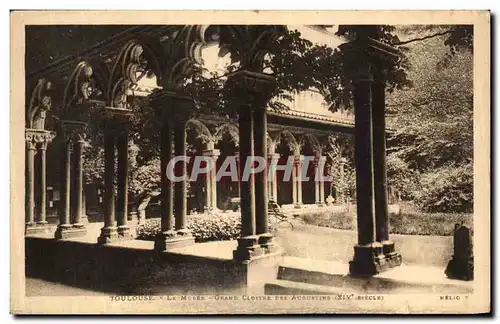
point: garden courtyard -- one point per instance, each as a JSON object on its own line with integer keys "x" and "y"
{"x": 365, "y": 177}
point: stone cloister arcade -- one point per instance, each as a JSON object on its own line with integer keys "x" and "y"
{"x": 95, "y": 88}
{"x": 219, "y": 139}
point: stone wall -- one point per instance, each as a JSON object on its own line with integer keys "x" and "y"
{"x": 121, "y": 270}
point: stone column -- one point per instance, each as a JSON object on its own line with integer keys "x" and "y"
{"x": 321, "y": 167}
{"x": 109, "y": 233}
{"x": 298, "y": 179}
{"x": 168, "y": 234}
{"x": 316, "y": 182}
{"x": 78, "y": 182}
{"x": 122, "y": 192}
{"x": 85, "y": 217}
{"x": 322, "y": 192}
{"x": 42, "y": 206}
{"x": 261, "y": 194}
{"x": 294, "y": 184}
{"x": 211, "y": 179}
{"x": 363, "y": 57}
{"x": 261, "y": 181}
{"x": 368, "y": 257}
{"x": 36, "y": 138}
{"x": 208, "y": 192}
{"x": 380, "y": 171}
{"x": 180, "y": 207}
{"x": 248, "y": 242}
{"x": 342, "y": 195}
{"x": 30, "y": 182}
{"x": 239, "y": 178}
{"x": 252, "y": 89}
{"x": 64, "y": 227}
{"x": 173, "y": 110}
{"x": 273, "y": 184}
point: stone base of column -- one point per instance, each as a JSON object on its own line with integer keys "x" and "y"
{"x": 268, "y": 244}
{"x": 85, "y": 219}
{"x": 37, "y": 228}
{"x": 68, "y": 231}
{"x": 297, "y": 205}
{"x": 368, "y": 260}
{"x": 124, "y": 232}
{"x": 184, "y": 232}
{"x": 108, "y": 235}
{"x": 169, "y": 240}
{"x": 392, "y": 257}
{"x": 248, "y": 248}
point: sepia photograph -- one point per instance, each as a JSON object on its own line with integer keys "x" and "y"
{"x": 250, "y": 162}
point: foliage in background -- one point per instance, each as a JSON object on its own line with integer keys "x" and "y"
{"x": 401, "y": 178}
{"x": 447, "y": 189}
{"x": 341, "y": 167}
{"x": 433, "y": 125}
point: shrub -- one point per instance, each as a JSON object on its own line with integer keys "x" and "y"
{"x": 216, "y": 227}
{"x": 149, "y": 230}
{"x": 448, "y": 189}
{"x": 400, "y": 177}
{"x": 205, "y": 227}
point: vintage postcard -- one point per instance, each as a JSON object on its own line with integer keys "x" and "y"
{"x": 251, "y": 162}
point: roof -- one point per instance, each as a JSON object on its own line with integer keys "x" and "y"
{"x": 314, "y": 116}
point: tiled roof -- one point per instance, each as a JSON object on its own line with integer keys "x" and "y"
{"x": 314, "y": 116}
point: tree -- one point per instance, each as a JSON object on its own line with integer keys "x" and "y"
{"x": 341, "y": 167}
{"x": 433, "y": 122}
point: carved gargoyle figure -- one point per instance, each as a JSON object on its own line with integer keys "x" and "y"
{"x": 40, "y": 103}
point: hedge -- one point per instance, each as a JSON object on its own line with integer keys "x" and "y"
{"x": 205, "y": 227}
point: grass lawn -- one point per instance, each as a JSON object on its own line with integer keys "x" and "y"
{"x": 407, "y": 222}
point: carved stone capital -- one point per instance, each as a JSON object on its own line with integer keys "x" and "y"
{"x": 114, "y": 119}
{"x": 38, "y": 138}
{"x": 252, "y": 87}
{"x": 365, "y": 56}
{"x": 172, "y": 104}
{"x": 72, "y": 130}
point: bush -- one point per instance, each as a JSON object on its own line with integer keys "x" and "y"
{"x": 448, "y": 189}
{"x": 401, "y": 178}
{"x": 205, "y": 228}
